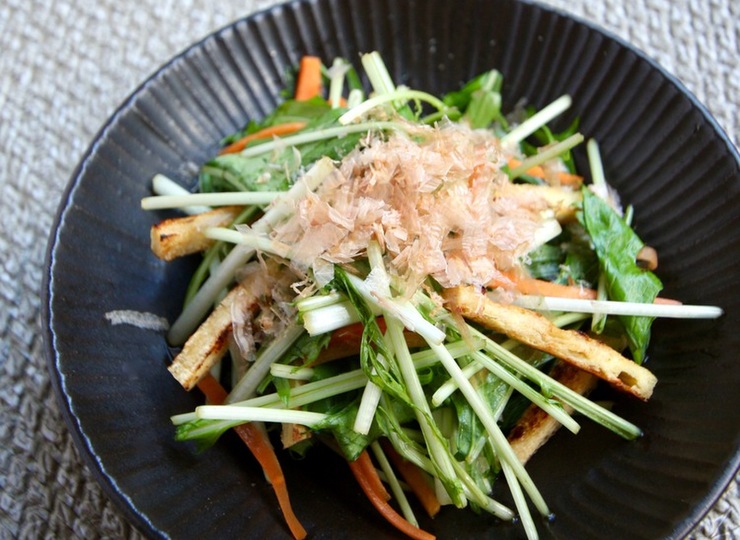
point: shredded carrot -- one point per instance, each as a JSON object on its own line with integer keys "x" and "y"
{"x": 212, "y": 389}
{"x": 385, "y": 509}
{"x": 661, "y": 300}
{"x": 263, "y": 451}
{"x": 261, "y": 447}
{"x": 524, "y": 285}
{"x": 372, "y": 475}
{"x": 415, "y": 478}
{"x": 570, "y": 179}
{"x": 565, "y": 178}
{"x": 308, "y": 84}
{"x": 271, "y": 131}
{"x": 540, "y": 287}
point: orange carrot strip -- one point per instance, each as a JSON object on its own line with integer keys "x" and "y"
{"x": 385, "y": 509}
{"x": 308, "y": 84}
{"x": 540, "y": 287}
{"x": 415, "y": 478}
{"x": 569, "y": 179}
{"x": 661, "y": 300}
{"x": 212, "y": 389}
{"x": 524, "y": 285}
{"x": 565, "y": 178}
{"x": 261, "y": 448}
{"x": 537, "y": 171}
{"x": 372, "y": 475}
{"x": 265, "y": 133}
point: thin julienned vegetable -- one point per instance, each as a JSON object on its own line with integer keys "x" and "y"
{"x": 259, "y": 444}
{"x": 416, "y": 269}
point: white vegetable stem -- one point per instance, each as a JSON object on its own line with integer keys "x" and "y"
{"x": 575, "y": 400}
{"x": 537, "y": 120}
{"x": 372, "y": 393}
{"x": 283, "y": 371}
{"x": 398, "y": 95}
{"x": 546, "y": 153}
{"x": 337, "y": 72}
{"x": 600, "y": 187}
{"x": 598, "y": 178}
{"x": 368, "y": 405}
{"x": 554, "y": 410}
{"x": 519, "y": 501}
{"x": 394, "y": 484}
{"x": 329, "y": 318}
{"x": 268, "y": 355}
{"x": 258, "y": 414}
{"x": 355, "y": 98}
{"x": 377, "y": 73}
{"x": 439, "y": 454}
{"x": 394, "y": 334}
{"x": 498, "y": 439}
{"x": 402, "y": 310}
{"x": 236, "y": 198}
{"x": 249, "y": 239}
{"x": 318, "y": 301}
{"x": 475, "y": 494}
{"x": 331, "y": 386}
{"x": 203, "y": 300}
{"x": 162, "y": 185}
{"x": 550, "y": 228}
{"x": 610, "y": 307}
{"x": 598, "y": 320}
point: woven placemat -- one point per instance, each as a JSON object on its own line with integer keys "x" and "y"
{"x": 64, "y": 68}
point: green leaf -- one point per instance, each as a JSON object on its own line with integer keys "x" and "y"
{"x": 341, "y": 424}
{"x": 544, "y": 262}
{"x": 234, "y": 172}
{"x": 282, "y": 387}
{"x": 204, "y": 441}
{"x": 616, "y": 246}
{"x": 277, "y": 172}
{"x": 490, "y": 80}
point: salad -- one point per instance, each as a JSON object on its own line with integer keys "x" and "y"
{"x": 424, "y": 284}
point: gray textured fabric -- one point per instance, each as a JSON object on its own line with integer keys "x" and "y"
{"x": 64, "y": 68}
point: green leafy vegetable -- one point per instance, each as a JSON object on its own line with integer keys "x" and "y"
{"x": 479, "y": 100}
{"x": 616, "y": 245}
{"x": 341, "y": 424}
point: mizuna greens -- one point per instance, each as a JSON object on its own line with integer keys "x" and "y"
{"x": 407, "y": 276}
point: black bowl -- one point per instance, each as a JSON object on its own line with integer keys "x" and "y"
{"x": 661, "y": 149}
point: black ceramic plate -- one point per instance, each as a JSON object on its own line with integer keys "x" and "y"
{"x": 662, "y": 151}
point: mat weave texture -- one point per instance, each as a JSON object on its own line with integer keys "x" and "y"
{"x": 65, "y": 67}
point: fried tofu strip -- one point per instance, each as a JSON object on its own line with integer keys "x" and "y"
{"x": 177, "y": 237}
{"x": 562, "y": 201}
{"x": 535, "y": 427}
{"x": 206, "y": 346}
{"x": 292, "y": 434}
{"x": 535, "y": 330}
